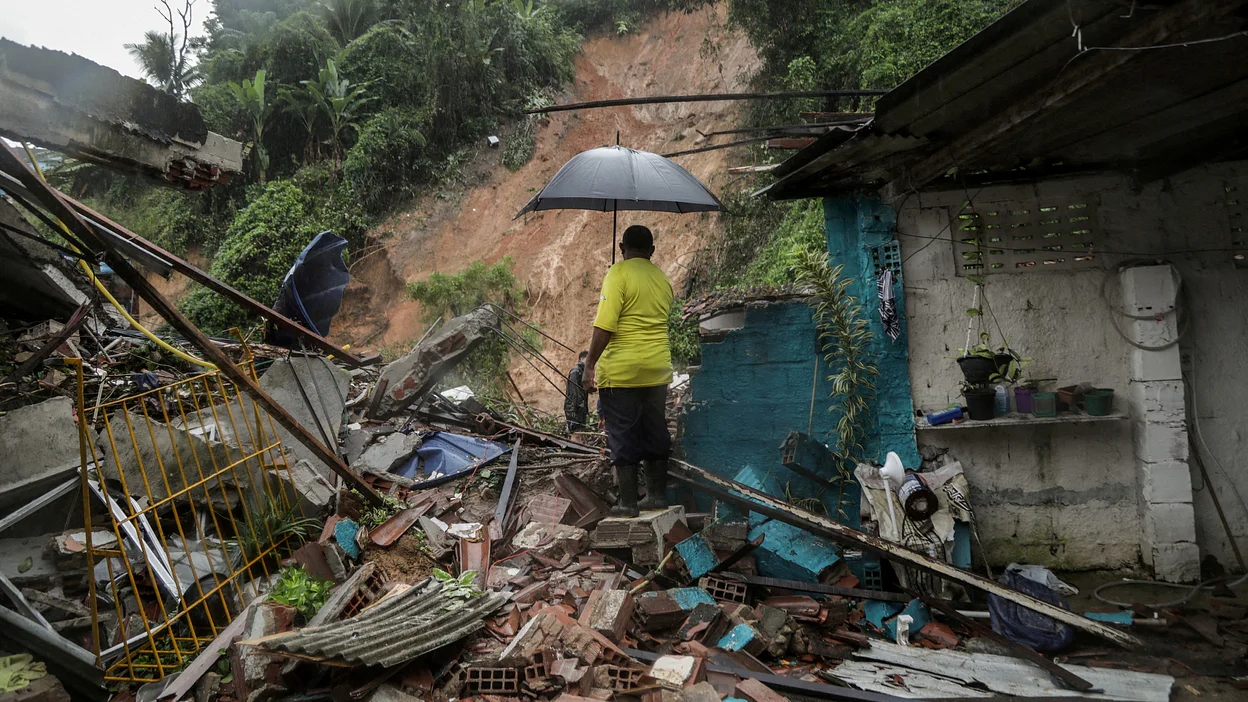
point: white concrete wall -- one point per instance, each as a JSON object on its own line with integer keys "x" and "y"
{"x": 1070, "y": 495}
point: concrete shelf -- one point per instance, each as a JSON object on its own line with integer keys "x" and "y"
{"x": 1014, "y": 419}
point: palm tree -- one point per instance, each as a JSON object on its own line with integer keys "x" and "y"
{"x": 339, "y": 101}
{"x": 165, "y": 58}
{"x": 348, "y": 19}
{"x": 251, "y": 94}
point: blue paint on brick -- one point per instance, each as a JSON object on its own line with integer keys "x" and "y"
{"x": 698, "y": 555}
{"x": 689, "y": 597}
{"x": 753, "y": 388}
{"x": 344, "y": 534}
{"x": 738, "y": 638}
{"x": 789, "y": 552}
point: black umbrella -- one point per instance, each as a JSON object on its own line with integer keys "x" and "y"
{"x": 614, "y": 178}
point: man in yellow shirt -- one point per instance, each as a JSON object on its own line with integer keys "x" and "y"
{"x": 630, "y": 362}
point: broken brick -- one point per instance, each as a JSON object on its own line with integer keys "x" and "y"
{"x": 493, "y": 680}
{"x": 755, "y": 691}
{"x": 608, "y": 612}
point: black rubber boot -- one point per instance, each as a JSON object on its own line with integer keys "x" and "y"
{"x": 656, "y": 485}
{"x": 627, "y": 506}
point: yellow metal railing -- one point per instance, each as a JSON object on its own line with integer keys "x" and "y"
{"x": 192, "y": 482}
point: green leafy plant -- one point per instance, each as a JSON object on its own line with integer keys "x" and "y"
{"x": 1008, "y": 363}
{"x": 273, "y": 525}
{"x": 448, "y": 296}
{"x": 340, "y": 101}
{"x": 846, "y": 345}
{"x": 250, "y": 93}
{"x": 374, "y": 516}
{"x": 301, "y": 590}
{"x": 458, "y": 589}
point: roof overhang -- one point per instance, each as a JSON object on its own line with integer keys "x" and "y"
{"x": 1021, "y": 101}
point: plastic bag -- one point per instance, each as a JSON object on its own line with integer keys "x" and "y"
{"x": 1044, "y": 576}
{"x": 1017, "y": 623}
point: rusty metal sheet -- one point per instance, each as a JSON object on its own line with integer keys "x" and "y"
{"x": 396, "y": 526}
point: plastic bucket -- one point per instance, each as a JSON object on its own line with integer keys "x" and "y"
{"x": 1022, "y": 400}
{"x": 979, "y": 403}
{"x": 1044, "y": 404}
{"x": 1099, "y": 402}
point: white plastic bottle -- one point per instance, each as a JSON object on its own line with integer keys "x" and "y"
{"x": 1001, "y": 403}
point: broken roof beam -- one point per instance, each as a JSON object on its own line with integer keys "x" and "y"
{"x": 69, "y": 104}
{"x": 762, "y": 503}
{"x": 102, "y": 225}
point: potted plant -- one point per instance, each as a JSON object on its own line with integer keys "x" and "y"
{"x": 1022, "y": 395}
{"x": 979, "y": 399}
{"x": 981, "y": 364}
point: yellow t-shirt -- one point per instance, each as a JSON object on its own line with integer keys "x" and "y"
{"x": 635, "y": 300}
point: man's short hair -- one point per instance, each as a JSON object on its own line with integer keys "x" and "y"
{"x": 583, "y": 356}
{"x": 638, "y": 238}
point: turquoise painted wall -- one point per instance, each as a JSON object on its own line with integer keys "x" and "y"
{"x": 861, "y": 233}
{"x": 754, "y": 386}
{"x": 752, "y": 389}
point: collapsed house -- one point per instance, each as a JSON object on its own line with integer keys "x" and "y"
{"x": 281, "y": 525}
{"x": 1092, "y": 182}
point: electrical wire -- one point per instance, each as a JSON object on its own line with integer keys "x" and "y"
{"x": 109, "y": 296}
{"x": 1192, "y": 590}
{"x": 1183, "y": 320}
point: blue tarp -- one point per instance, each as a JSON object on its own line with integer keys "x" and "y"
{"x": 448, "y": 454}
{"x": 312, "y": 290}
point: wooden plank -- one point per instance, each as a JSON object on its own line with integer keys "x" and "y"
{"x": 762, "y": 503}
{"x": 504, "y": 500}
{"x": 1010, "y": 676}
{"x": 221, "y": 287}
{"x": 50, "y": 198}
{"x": 790, "y": 143}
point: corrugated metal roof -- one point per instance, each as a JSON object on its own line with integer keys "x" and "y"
{"x": 1052, "y": 88}
{"x": 397, "y": 629}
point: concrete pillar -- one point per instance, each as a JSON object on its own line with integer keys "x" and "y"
{"x": 1159, "y": 426}
{"x": 862, "y": 236}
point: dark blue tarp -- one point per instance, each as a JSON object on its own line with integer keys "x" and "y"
{"x": 1017, "y": 623}
{"x": 448, "y": 454}
{"x": 312, "y": 290}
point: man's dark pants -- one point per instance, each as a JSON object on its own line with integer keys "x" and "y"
{"x": 636, "y": 421}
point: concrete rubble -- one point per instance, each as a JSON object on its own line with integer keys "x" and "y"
{"x": 434, "y": 597}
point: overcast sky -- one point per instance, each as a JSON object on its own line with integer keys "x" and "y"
{"x": 95, "y": 29}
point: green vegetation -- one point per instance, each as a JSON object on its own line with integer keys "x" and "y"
{"x": 843, "y": 332}
{"x": 458, "y": 590}
{"x": 349, "y": 107}
{"x": 297, "y": 588}
{"x": 447, "y": 296}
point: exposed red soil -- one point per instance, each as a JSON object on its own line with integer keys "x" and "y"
{"x": 561, "y": 256}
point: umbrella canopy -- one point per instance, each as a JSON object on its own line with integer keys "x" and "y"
{"x": 613, "y": 178}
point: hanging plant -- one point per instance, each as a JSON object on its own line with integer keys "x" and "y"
{"x": 845, "y": 340}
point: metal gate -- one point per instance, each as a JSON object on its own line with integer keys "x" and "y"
{"x": 193, "y": 506}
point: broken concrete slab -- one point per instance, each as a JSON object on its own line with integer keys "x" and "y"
{"x": 326, "y": 386}
{"x": 386, "y": 453}
{"x": 68, "y": 103}
{"x": 38, "y": 446}
{"x": 410, "y": 378}
{"x": 154, "y": 462}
